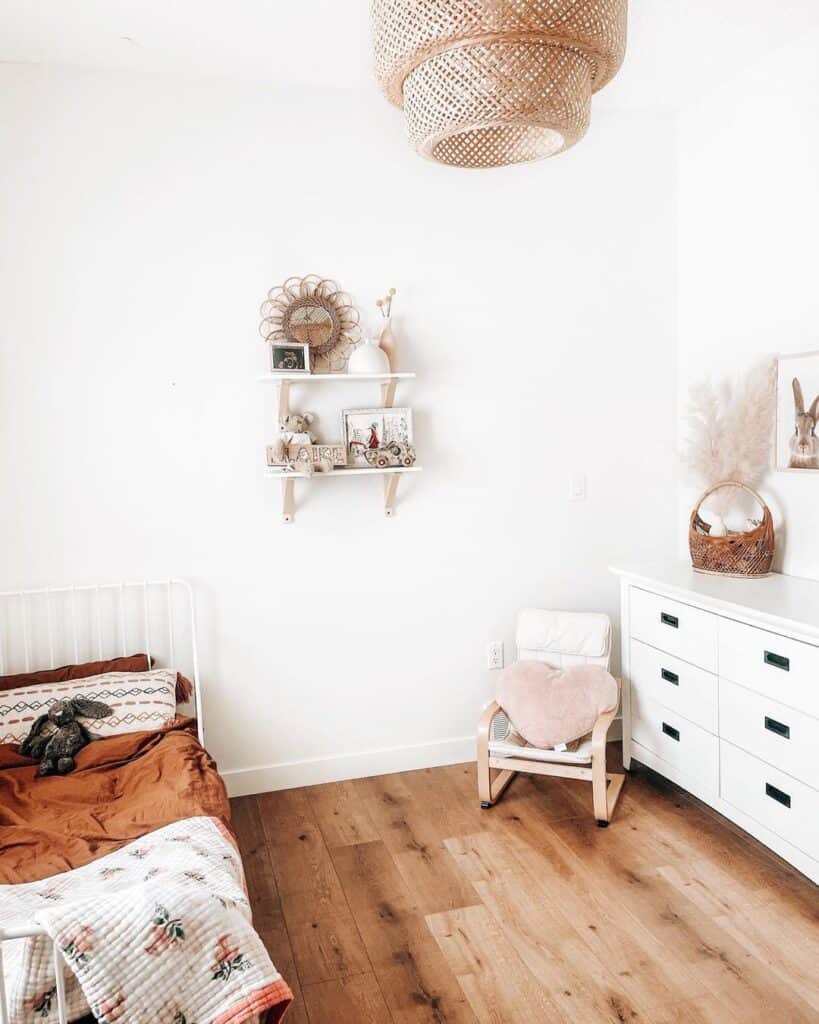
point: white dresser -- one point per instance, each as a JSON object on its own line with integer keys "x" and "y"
{"x": 721, "y": 695}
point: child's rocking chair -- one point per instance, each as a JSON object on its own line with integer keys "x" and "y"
{"x": 561, "y": 640}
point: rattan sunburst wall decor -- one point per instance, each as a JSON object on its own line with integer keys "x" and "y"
{"x": 312, "y": 311}
{"x": 485, "y": 83}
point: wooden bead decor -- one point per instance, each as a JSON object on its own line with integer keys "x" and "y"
{"x": 491, "y": 82}
{"x": 748, "y": 554}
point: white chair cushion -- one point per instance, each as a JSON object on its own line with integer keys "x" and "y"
{"x": 579, "y": 635}
{"x": 577, "y": 753}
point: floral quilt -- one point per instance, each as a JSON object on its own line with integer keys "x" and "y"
{"x": 158, "y": 931}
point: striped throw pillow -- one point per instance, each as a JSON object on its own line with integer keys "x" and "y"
{"x": 140, "y": 701}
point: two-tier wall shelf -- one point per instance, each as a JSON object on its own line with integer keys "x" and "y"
{"x": 391, "y": 474}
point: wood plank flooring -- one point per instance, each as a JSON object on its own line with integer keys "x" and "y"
{"x": 396, "y": 900}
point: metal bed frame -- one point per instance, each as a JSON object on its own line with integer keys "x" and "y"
{"x": 57, "y": 625}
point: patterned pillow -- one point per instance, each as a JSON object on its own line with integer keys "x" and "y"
{"x": 140, "y": 701}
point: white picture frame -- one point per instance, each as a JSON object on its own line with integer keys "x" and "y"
{"x": 289, "y": 357}
{"x": 367, "y": 429}
{"x": 796, "y": 447}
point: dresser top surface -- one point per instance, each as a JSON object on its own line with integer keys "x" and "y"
{"x": 786, "y": 601}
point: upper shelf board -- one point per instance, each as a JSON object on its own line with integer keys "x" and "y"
{"x": 300, "y": 378}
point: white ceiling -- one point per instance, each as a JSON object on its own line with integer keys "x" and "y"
{"x": 677, "y": 48}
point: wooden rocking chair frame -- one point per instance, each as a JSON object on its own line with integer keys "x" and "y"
{"x": 495, "y": 773}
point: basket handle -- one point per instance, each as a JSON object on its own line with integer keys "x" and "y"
{"x": 732, "y": 483}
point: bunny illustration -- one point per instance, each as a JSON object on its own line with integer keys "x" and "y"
{"x": 804, "y": 443}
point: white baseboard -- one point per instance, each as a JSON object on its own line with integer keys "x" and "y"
{"x": 290, "y": 774}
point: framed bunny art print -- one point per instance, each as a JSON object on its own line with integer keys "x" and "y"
{"x": 797, "y": 412}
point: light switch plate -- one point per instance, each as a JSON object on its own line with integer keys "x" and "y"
{"x": 577, "y": 487}
{"x": 494, "y": 654}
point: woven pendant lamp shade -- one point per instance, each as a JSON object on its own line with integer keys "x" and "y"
{"x": 485, "y": 83}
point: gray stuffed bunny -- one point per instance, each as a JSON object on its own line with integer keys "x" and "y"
{"x": 56, "y": 737}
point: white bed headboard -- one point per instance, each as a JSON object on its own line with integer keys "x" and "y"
{"x": 69, "y": 625}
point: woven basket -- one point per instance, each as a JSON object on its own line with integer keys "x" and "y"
{"x": 737, "y": 554}
{"x": 494, "y": 82}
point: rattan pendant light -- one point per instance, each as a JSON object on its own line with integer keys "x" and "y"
{"x": 485, "y": 83}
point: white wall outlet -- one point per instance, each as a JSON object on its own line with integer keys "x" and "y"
{"x": 577, "y": 487}
{"x": 494, "y": 654}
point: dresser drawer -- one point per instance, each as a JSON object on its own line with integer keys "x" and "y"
{"x": 785, "y": 670}
{"x": 677, "y": 741}
{"x": 785, "y": 806}
{"x": 677, "y": 685}
{"x": 774, "y": 733}
{"x": 686, "y": 632}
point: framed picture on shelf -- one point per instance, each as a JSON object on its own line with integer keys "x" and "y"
{"x": 289, "y": 357}
{"x": 797, "y": 411}
{"x": 368, "y": 430}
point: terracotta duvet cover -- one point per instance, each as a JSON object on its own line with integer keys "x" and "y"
{"x": 122, "y": 788}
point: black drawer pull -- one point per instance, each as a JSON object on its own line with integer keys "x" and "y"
{"x": 777, "y": 794}
{"x": 772, "y": 725}
{"x": 778, "y": 661}
{"x": 669, "y": 730}
{"x": 670, "y": 677}
{"x": 669, "y": 620}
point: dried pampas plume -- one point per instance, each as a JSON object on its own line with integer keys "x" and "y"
{"x": 730, "y": 431}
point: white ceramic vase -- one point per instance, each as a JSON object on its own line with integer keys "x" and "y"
{"x": 368, "y": 357}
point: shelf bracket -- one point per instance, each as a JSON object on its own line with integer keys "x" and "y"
{"x": 388, "y": 393}
{"x": 284, "y": 401}
{"x": 288, "y": 501}
{"x": 390, "y": 491}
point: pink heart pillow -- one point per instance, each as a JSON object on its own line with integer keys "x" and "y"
{"x": 550, "y": 705}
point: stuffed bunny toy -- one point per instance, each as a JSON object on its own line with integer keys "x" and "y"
{"x": 804, "y": 443}
{"x": 57, "y": 736}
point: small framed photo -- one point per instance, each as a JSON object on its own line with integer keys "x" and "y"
{"x": 289, "y": 357}
{"x": 367, "y": 431}
{"x": 797, "y": 412}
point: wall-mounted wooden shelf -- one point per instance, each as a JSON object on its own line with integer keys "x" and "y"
{"x": 391, "y": 474}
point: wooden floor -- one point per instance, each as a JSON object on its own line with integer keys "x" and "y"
{"x": 396, "y": 899}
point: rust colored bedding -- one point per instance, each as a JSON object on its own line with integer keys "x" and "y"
{"x": 121, "y": 788}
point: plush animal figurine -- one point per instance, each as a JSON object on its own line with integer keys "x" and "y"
{"x": 57, "y": 736}
{"x": 294, "y": 428}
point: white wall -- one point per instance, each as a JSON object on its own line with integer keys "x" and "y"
{"x": 144, "y": 220}
{"x": 748, "y": 230}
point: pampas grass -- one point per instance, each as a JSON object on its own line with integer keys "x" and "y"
{"x": 730, "y": 431}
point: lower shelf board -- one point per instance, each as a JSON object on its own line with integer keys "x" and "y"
{"x": 353, "y": 471}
